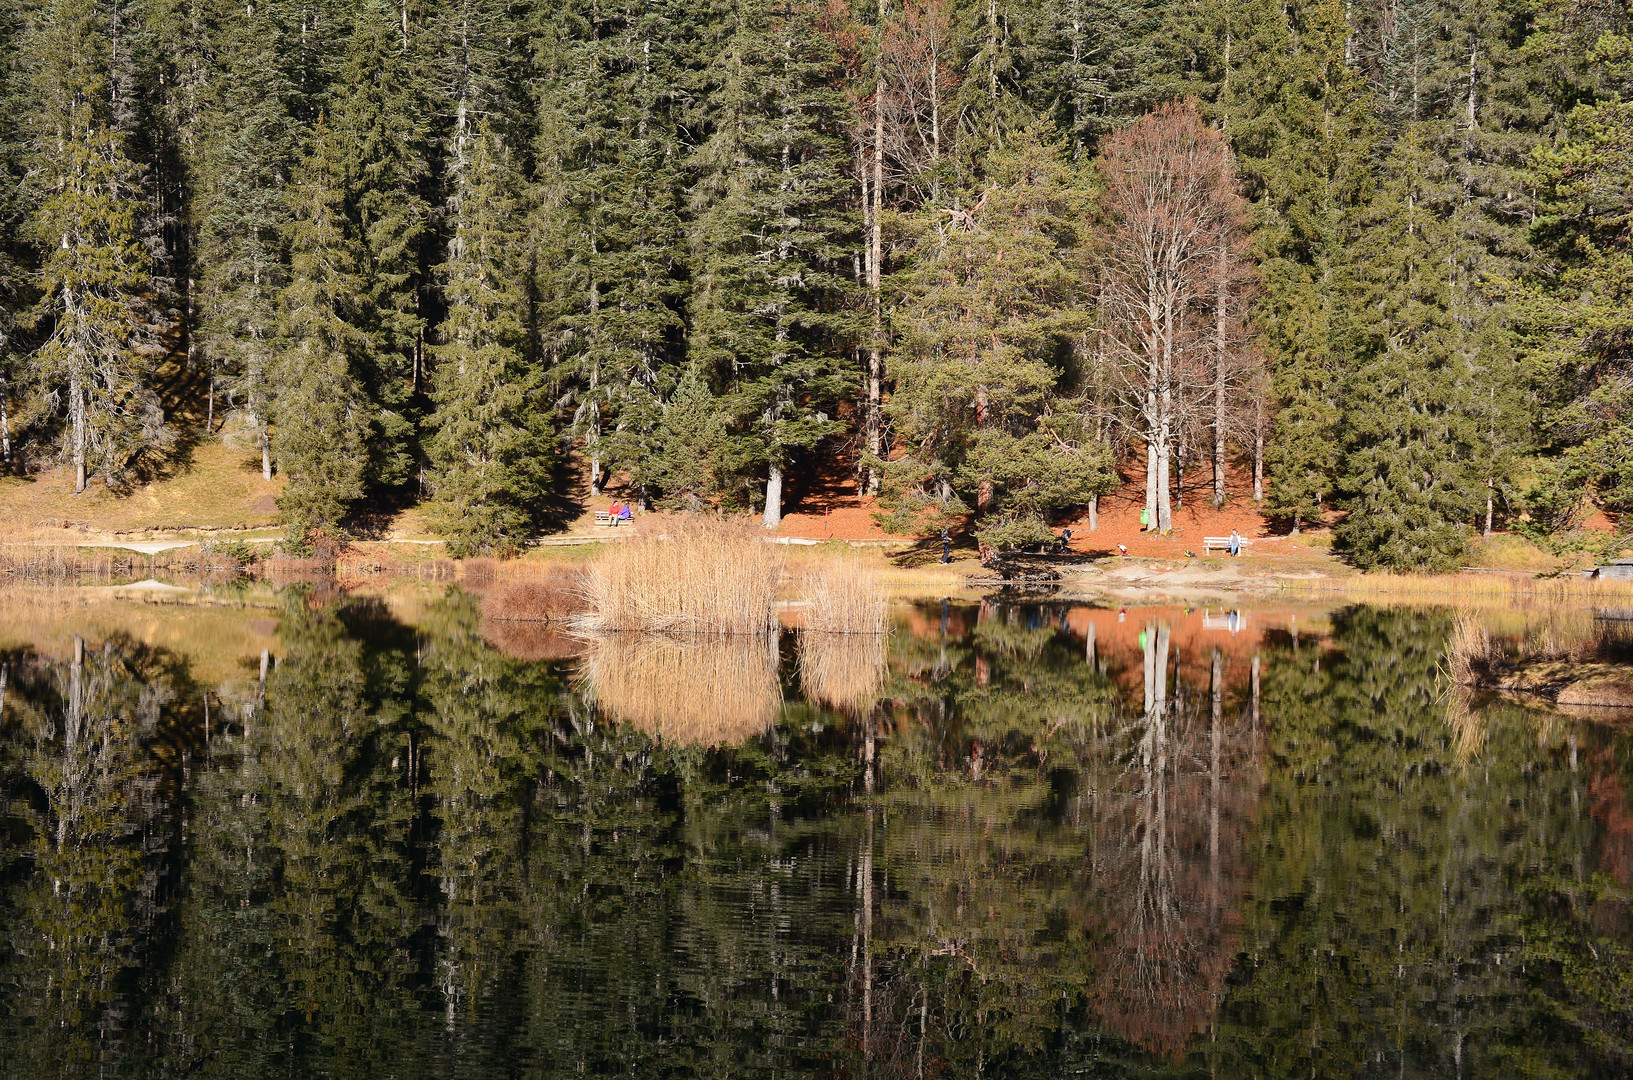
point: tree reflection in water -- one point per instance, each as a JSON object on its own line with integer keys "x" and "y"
{"x": 1034, "y": 840}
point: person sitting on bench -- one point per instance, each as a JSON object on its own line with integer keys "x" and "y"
{"x": 1235, "y": 542}
{"x": 623, "y": 512}
{"x": 616, "y": 512}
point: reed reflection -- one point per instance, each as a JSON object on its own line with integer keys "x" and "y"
{"x": 697, "y": 691}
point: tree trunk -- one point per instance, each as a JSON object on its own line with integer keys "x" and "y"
{"x": 5, "y": 426}
{"x": 1220, "y": 340}
{"x": 1150, "y": 485}
{"x": 1258, "y": 454}
{"x": 773, "y": 496}
{"x": 1489, "y": 507}
{"x": 266, "y": 453}
{"x": 1165, "y": 507}
{"x": 876, "y": 359}
{"x": 1094, "y": 512}
{"x": 1298, "y": 518}
{"x": 76, "y": 396}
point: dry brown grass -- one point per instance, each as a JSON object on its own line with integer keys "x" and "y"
{"x": 696, "y": 692}
{"x": 1506, "y": 590}
{"x": 843, "y": 671}
{"x": 700, "y": 575}
{"x": 64, "y": 562}
{"x": 844, "y": 595}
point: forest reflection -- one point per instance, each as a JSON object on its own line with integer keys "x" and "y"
{"x": 1007, "y": 840}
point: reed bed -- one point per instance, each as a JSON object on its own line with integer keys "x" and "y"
{"x": 698, "y": 692}
{"x": 63, "y": 562}
{"x": 701, "y": 575}
{"x": 844, "y": 595}
{"x": 1510, "y": 590}
{"x": 842, "y": 671}
{"x": 1470, "y": 653}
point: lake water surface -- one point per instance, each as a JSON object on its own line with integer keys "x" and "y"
{"x": 353, "y": 837}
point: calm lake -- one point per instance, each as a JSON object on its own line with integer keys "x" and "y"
{"x": 332, "y": 836}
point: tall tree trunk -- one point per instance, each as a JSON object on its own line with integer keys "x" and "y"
{"x": 1151, "y": 483}
{"x": 876, "y": 359}
{"x": 1094, "y": 512}
{"x": 266, "y": 453}
{"x": 773, "y": 496}
{"x": 1258, "y": 450}
{"x": 5, "y": 425}
{"x": 1221, "y": 303}
{"x": 1490, "y": 501}
{"x": 1165, "y": 506}
{"x": 76, "y": 395}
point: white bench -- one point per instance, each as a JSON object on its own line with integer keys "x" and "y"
{"x": 602, "y": 517}
{"x": 1221, "y": 542}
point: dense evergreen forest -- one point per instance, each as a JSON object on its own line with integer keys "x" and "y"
{"x": 981, "y": 251}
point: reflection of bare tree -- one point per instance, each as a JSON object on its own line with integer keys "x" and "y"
{"x": 1169, "y": 857}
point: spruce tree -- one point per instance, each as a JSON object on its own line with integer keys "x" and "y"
{"x": 1406, "y": 477}
{"x": 380, "y": 124}
{"x": 94, "y": 273}
{"x": 610, "y": 83}
{"x": 1576, "y": 315}
{"x": 322, "y": 410}
{"x": 768, "y": 299}
{"x": 246, "y": 160}
{"x": 492, "y": 449}
{"x": 1278, "y": 80}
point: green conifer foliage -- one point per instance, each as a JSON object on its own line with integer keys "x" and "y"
{"x": 492, "y": 449}
{"x": 1577, "y": 316}
{"x": 322, "y": 409}
{"x": 381, "y": 125}
{"x": 767, "y": 298}
{"x": 610, "y": 159}
{"x": 986, "y": 315}
{"x": 94, "y": 273}
{"x": 247, "y": 156}
{"x": 693, "y": 446}
{"x": 1406, "y": 475}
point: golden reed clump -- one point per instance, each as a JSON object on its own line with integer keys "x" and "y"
{"x": 842, "y": 638}
{"x": 699, "y": 575}
{"x": 844, "y": 595}
{"x": 703, "y": 693}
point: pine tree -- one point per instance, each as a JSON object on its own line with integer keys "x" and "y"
{"x": 768, "y": 318}
{"x": 1406, "y": 474}
{"x": 246, "y": 159}
{"x": 492, "y": 450}
{"x": 322, "y": 410}
{"x": 94, "y": 272}
{"x": 987, "y": 314}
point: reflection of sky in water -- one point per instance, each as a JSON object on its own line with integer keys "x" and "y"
{"x": 1026, "y": 840}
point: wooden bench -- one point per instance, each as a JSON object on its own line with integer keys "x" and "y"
{"x": 602, "y": 517}
{"x": 1221, "y": 542}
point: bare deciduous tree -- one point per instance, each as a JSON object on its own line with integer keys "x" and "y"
{"x": 1173, "y": 279}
